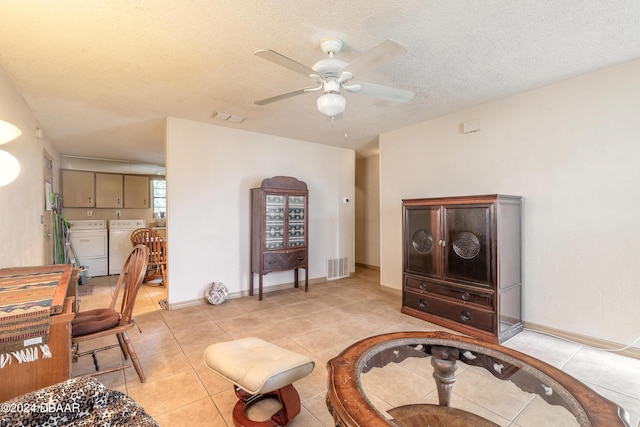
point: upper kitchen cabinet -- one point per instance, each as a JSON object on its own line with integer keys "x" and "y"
{"x": 78, "y": 189}
{"x": 83, "y": 189}
{"x": 109, "y": 191}
{"x": 137, "y": 192}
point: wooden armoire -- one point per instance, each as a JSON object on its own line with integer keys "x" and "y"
{"x": 461, "y": 264}
{"x": 279, "y": 229}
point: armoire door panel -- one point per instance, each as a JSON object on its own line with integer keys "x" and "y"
{"x": 296, "y": 206}
{"x": 468, "y": 244}
{"x": 422, "y": 247}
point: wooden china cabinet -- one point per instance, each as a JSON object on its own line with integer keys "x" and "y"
{"x": 279, "y": 229}
{"x": 461, "y": 264}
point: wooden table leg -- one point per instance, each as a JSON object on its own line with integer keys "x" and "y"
{"x": 295, "y": 277}
{"x": 444, "y": 369}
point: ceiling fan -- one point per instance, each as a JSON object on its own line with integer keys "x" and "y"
{"x": 333, "y": 75}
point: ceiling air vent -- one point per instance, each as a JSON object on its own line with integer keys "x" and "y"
{"x": 226, "y": 117}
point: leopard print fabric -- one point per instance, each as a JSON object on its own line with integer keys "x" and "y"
{"x": 81, "y": 401}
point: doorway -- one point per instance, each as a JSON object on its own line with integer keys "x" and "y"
{"x": 47, "y": 211}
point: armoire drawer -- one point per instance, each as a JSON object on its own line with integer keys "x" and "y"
{"x": 285, "y": 260}
{"x": 462, "y": 295}
{"x": 459, "y": 313}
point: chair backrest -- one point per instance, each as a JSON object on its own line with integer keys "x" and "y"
{"x": 154, "y": 241}
{"x": 140, "y": 236}
{"x": 131, "y": 276}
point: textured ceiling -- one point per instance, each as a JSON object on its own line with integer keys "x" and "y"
{"x": 101, "y": 76}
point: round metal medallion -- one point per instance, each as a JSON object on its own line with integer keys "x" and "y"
{"x": 466, "y": 245}
{"x": 422, "y": 241}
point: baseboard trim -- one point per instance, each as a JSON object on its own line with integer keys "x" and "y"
{"x": 185, "y": 304}
{"x": 597, "y": 343}
{"x": 372, "y": 267}
{"x": 392, "y": 292}
{"x": 244, "y": 293}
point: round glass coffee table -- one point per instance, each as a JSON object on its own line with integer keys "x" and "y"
{"x": 411, "y": 379}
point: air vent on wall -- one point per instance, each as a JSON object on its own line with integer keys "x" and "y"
{"x": 337, "y": 268}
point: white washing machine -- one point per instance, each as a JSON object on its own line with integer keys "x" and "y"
{"x": 89, "y": 241}
{"x": 120, "y": 241}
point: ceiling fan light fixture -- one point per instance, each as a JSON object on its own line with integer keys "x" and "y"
{"x": 331, "y": 104}
{"x": 332, "y": 74}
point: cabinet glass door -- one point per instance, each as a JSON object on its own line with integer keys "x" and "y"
{"x": 421, "y": 240}
{"x": 296, "y": 218}
{"x": 468, "y": 244}
{"x": 274, "y": 221}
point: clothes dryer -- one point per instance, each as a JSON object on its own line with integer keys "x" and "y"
{"x": 120, "y": 241}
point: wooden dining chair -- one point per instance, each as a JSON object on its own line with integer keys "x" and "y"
{"x": 157, "y": 253}
{"x": 117, "y": 319}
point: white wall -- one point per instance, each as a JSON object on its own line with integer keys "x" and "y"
{"x": 572, "y": 150}
{"x": 22, "y": 201}
{"x": 210, "y": 170}
{"x": 368, "y": 211}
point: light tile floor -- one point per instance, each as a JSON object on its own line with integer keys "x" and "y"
{"x": 180, "y": 390}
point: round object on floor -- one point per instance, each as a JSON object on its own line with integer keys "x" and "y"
{"x": 217, "y": 293}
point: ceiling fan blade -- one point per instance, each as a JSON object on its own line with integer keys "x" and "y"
{"x": 380, "y": 91}
{"x": 287, "y": 95}
{"x": 381, "y": 54}
{"x": 285, "y": 62}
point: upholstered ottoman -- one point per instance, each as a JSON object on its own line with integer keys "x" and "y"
{"x": 259, "y": 369}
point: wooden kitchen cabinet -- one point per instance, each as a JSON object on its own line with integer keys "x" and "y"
{"x": 279, "y": 229}
{"x": 109, "y": 190}
{"x": 78, "y": 189}
{"x": 137, "y": 191}
{"x": 461, "y": 264}
{"x": 83, "y": 189}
